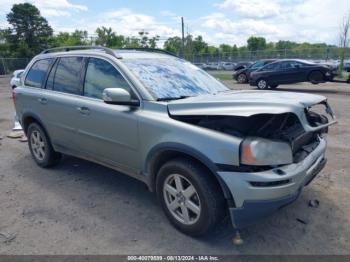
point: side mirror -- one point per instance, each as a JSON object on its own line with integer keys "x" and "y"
{"x": 118, "y": 96}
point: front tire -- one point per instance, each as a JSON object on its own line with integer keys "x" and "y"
{"x": 40, "y": 146}
{"x": 316, "y": 77}
{"x": 190, "y": 196}
{"x": 262, "y": 84}
{"x": 242, "y": 78}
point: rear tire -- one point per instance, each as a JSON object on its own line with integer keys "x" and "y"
{"x": 40, "y": 146}
{"x": 205, "y": 204}
{"x": 316, "y": 77}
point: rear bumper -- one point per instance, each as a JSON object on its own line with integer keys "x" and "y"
{"x": 255, "y": 202}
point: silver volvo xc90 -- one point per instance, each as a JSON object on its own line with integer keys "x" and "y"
{"x": 204, "y": 149}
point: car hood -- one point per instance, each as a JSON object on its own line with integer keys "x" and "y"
{"x": 241, "y": 70}
{"x": 244, "y": 103}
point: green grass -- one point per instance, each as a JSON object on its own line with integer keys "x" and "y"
{"x": 344, "y": 76}
{"x": 221, "y": 75}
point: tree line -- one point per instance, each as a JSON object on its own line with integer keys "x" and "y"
{"x": 30, "y": 33}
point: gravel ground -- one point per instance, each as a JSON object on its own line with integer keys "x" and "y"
{"x": 83, "y": 208}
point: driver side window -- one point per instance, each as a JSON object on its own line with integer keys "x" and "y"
{"x": 100, "y": 74}
{"x": 257, "y": 65}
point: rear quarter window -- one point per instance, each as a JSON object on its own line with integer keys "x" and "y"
{"x": 37, "y": 73}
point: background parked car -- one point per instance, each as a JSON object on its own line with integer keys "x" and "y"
{"x": 201, "y": 65}
{"x": 242, "y": 75}
{"x": 213, "y": 66}
{"x": 290, "y": 71}
{"x": 15, "y": 80}
{"x": 229, "y": 66}
{"x": 347, "y": 66}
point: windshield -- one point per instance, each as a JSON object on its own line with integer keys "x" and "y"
{"x": 173, "y": 78}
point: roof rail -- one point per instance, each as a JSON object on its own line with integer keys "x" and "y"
{"x": 78, "y": 47}
{"x": 155, "y": 50}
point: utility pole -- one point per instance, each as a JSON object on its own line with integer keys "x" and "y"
{"x": 183, "y": 37}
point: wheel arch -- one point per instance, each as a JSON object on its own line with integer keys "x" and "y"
{"x": 29, "y": 118}
{"x": 315, "y": 71}
{"x": 164, "y": 152}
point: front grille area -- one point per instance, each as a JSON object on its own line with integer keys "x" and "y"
{"x": 305, "y": 149}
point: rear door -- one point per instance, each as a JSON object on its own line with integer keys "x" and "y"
{"x": 107, "y": 132}
{"x": 288, "y": 73}
{"x": 32, "y": 101}
{"x": 303, "y": 71}
{"x": 63, "y": 91}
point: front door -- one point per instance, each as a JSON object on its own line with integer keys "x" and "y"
{"x": 107, "y": 132}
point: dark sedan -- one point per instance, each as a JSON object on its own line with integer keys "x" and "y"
{"x": 242, "y": 75}
{"x": 290, "y": 71}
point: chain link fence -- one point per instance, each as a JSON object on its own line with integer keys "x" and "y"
{"x": 8, "y": 65}
{"x": 327, "y": 54}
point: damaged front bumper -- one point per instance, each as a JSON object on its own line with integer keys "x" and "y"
{"x": 257, "y": 195}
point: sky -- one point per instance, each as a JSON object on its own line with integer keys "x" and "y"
{"x": 218, "y": 21}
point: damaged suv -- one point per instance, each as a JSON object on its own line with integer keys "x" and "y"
{"x": 204, "y": 149}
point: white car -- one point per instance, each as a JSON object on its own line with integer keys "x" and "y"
{"x": 14, "y": 82}
{"x": 16, "y": 78}
{"x": 227, "y": 66}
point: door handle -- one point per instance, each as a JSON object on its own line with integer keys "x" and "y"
{"x": 42, "y": 101}
{"x": 84, "y": 110}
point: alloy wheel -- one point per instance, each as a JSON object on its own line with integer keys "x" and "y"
{"x": 241, "y": 78}
{"x": 262, "y": 84}
{"x": 182, "y": 199}
{"x": 38, "y": 145}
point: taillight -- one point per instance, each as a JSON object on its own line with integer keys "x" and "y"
{"x": 13, "y": 96}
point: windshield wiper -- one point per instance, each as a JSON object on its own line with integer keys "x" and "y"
{"x": 171, "y": 98}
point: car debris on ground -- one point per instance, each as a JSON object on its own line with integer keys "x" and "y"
{"x": 15, "y": 134}
{"x": 314, "y": 203}
{"x": 302, "y": 221}
{"x": 7, "y": 238}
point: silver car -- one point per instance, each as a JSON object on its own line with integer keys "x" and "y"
{"x": 205, "y": 150}
{"x": 16, "y": 78}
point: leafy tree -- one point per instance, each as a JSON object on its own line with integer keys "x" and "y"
{"x": 199, "y": 44}
{"x": 152, "y": 42}
{"x": 225, "y": 48}
{"x": 344, "y": 37}
{"x": 256, "y": 43}
{"x": 106, "y": 37}
{"x": 29, "y": 32}
{"x": 173, "y": 44}
{"x": 146, "y": 42}
{"x": 69, "y": 39}
{"x": 132, "y": 42}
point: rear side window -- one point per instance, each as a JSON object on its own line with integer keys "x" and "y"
{"x": 271, "y": 67}
{"x": 36, "y": 74}
{"x": 100, "y": 74}
{"x": 66, "y": 76}
{"x": 286, "y": 65}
